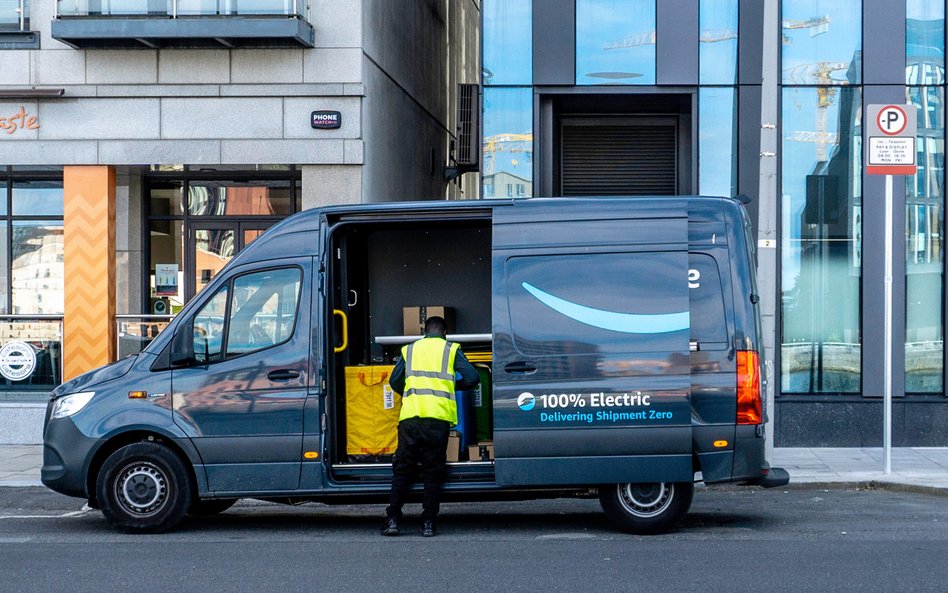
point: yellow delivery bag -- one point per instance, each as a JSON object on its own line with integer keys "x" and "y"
{"x": 371, "y": 414}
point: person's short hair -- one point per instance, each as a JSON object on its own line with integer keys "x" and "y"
{"x": 435, "y": 325}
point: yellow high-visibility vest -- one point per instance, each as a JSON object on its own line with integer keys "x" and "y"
{"x": 429, "y": 380}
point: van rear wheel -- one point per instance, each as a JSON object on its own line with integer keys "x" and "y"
{"x": 646, "y": 509}
{"x": 144, "y": 488}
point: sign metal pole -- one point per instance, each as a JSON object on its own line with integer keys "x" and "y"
{"x": 887, "y": 393}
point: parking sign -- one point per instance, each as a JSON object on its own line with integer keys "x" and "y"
{"x": 891, "y": 131}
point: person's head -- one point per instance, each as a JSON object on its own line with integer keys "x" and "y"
{"x": 436, "y": 327}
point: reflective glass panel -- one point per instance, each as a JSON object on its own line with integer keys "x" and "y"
{"x": 36, "y": 275}
{"x": 209, "y": 328}
{"x": 821, "y": 242}
{"x": 37, "y": 363}
{"x": 717, "y": 138}
{"x": 718, "y": 41}
{"x": 924, "y": 42}
{"x": 167, "y": 264}
{"x": 212, "y": 250}
{"x": 508, "y": 143}
{"x": 9, "y": 15}
{"x": 4, "y": 272}
{"x": 615, "y": 41}
{"x": 38, "y": 198}
{"x": 166, "y": 198}
{"x": 508, "y": 41}
{"x": 218, "y": 198}
{"x": 924, "y": 247}
{"x": 821, "y": 39}
{"x": 263, "y": 311}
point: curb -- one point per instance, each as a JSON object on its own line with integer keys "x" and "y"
{"x": 871, "y": 485}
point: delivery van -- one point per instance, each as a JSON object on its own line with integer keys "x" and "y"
{"x": 618, "y": 341}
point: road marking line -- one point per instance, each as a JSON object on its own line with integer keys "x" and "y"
{"x": 82, "y": 511}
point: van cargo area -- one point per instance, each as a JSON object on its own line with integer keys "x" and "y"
{"x": 387, "y": 276}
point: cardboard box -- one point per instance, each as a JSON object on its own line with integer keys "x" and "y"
{"x": 413, "y": 318}
{"x": 483, "y": 451}
{"x": 454, "y": 447}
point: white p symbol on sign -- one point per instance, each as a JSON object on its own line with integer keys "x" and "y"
{"x": 891, "y": 120}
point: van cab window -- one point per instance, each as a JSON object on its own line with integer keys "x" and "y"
{"x": 263, "y": 310}
{"x": 209, "y": 328}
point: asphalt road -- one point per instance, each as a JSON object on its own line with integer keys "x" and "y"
{"x": 795, "y": 539}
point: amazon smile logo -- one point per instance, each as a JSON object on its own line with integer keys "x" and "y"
{"x": 627, "y": 323}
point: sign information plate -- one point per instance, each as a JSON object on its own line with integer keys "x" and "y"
{"x": 891, "y": 131}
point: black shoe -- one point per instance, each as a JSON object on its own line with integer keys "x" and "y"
{"x": 428, "y": 529}
{"x": 391, "y": 526}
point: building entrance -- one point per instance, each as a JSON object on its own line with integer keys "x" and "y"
{"x": 212, "y": 244}
{"x": 616, "y": 144}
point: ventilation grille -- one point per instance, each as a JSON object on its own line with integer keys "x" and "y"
{"x": 619, "y": 160}
{"x": 468, "y": 149}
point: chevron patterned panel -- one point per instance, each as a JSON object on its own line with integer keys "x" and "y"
{"x": 89, "y": 259}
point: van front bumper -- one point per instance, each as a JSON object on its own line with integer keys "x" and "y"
{"x": 66, "y": 452}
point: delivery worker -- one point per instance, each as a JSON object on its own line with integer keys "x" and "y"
{"x": 425, "y": 376}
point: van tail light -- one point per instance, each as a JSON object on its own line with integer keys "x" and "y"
{"x": 749, "y": 405}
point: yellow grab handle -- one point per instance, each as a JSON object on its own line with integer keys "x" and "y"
{"x": 345, "y": 331}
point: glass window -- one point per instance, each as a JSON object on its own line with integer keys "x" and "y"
{"x": 706, "y": 295}
{"x": 718, "y": 41}
{"x": 212, "y": 250}
{"x": 924, "y": 247}
{"x": 4, "y": 275}
{"x": 615, "y": 41}
{"x": 821, "y": 240}
{"x": 717, "y": 141}
{"x": 508, "y": 41}
{"x": 38, "y": 198}
{"x": 36, "y": 274}
{"x": 10, "y": 15}
{"x": 924, "y": 42}
{"x": 822, "y": 41}
{"x": 508, "y": 142}
{"x": 594, "y": 308}
{"x": 263, "y": 311}
{"x": 209, "y": 328}
{"x": 167, "y": 257}
{"x": 166, "y": 198}
{"x": 225, "y": 198}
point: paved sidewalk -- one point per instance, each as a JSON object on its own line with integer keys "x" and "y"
{"x": 924, "y": 468}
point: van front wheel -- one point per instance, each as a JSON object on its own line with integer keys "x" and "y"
{"x": 646, "y": 509}
{"x": 144, "y": 488}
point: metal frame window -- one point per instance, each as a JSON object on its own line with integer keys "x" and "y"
{"x": 193, "y": 185}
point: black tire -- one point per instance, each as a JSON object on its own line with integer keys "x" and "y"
{"x": 144, "y": 488}
{"x": 646, "y": 509}
{"x": 210, "y": 506}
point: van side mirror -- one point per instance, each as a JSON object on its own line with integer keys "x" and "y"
{"x": 182, "y": 344}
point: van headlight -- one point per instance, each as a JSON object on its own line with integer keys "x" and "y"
{"x": 70, "y": 404}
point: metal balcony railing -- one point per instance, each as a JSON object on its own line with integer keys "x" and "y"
{"x": 14, "y": 15}
{"x": 181, "y": 8}
{"x": 134, "y": 332}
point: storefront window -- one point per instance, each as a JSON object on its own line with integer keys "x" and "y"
{"x": 822, "y": 42}
{"x": 38, "y": 198}
{"x": 36, "y": 271}
{"x": 615, "y": 41}
{"x": 166, "y": 276}
{"x": 821, "y": 240}
{"x": 717, "y": 170}
{"x": 228, "y": 198}
{"x": 718, "y": 38}
{"x": 924, "y": 247}
{"x": 508, "y": 143}
{"x": 924, "y": 42}
{"x": 508, "y": 41}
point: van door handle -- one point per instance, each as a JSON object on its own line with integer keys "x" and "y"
{"x": 525, "y": 367}
{"x": 283, "y": 375}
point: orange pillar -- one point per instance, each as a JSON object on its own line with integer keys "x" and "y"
{"x": 89, "y": 259}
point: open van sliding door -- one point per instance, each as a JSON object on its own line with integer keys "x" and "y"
{"x": 591, "y": 342}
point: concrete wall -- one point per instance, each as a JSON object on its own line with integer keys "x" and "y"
{"x": 416, "y": 53}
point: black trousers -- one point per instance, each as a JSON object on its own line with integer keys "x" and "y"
{"x": 422, "y": 450}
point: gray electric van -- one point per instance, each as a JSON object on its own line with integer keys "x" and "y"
{"x": 621, "y": 337}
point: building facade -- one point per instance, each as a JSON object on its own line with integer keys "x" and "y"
{"x": 606, "y": 97}
{"x": 143, "y": 144}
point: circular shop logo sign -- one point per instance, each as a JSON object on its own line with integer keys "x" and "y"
{"x": 526, "y": 401}
{"x": 17, "y": 360}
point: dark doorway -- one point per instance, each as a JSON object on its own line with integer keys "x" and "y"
{"x": 616, "y": 144}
